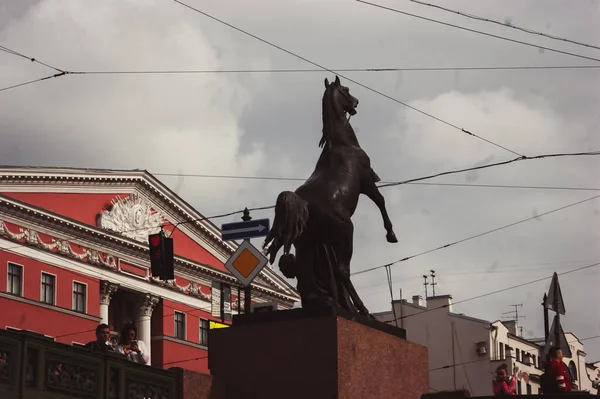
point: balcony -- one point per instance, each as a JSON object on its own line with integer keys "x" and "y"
{"x": 34, "y": 366}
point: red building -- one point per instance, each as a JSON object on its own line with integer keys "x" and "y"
{"x": 73, "y": 248}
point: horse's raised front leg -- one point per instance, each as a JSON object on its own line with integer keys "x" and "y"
{"x": 370, "y": 190}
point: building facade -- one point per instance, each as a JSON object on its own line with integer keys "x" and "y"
{"x": 74, "y": 253}
{"x": 464, "y": 352}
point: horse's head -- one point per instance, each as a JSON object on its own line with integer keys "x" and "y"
{"x": 341, "y": 100}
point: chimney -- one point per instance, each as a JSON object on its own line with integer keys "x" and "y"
{"x": 439, "y": 301}
{"x": 512, "y": 326}
{"x": 418, "y": 300}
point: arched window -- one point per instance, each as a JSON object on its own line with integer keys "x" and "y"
{"x": 573, "y": 370}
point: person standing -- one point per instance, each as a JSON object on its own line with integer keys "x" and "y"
{"x": 503, "y": 384}
{"x": 557, "y": 371}
{"x": 132, "y": 348}
{"x": 102, "y": 342}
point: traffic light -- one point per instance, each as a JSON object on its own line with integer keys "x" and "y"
{"x": 161, "y": 256}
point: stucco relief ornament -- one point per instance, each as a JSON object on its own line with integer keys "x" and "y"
{"x": 132, "y": 217}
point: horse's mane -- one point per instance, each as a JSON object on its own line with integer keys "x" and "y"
{"x": 328, "y": 115}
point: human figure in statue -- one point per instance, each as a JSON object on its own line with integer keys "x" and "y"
{"x": 316, "y": 218}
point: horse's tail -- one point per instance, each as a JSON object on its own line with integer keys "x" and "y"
{"x": 291, "y": 215}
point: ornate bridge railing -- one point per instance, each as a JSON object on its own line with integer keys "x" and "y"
{"x": 33, "y": 366}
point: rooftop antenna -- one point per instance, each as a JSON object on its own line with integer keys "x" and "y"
{"x": 433, "y": 283}
{"x": 425, "y": 284}
{"x": 515, "y": 315}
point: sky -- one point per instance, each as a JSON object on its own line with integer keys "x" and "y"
{"x": 269, "y": 124}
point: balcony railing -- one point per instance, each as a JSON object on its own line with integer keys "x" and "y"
{"x": 34, "y": 366}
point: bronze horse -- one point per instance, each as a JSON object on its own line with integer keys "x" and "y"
{"x": 316, "y": 218}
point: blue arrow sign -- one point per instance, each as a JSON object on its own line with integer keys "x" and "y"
{"x": 243, "y": 230}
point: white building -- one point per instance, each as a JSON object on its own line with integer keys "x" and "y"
{"x": 464, "y": 352}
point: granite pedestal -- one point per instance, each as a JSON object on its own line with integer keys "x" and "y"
{"x": 330, "y": 354}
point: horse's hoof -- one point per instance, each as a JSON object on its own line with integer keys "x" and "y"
{"x": 391, "y": 238}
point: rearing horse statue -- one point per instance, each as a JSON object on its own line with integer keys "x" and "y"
{"x": 316, "y": 218}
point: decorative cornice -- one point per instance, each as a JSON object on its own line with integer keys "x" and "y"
{"x": 88, "y": 255}
{"x": 192, "y": 288}
{"x": 62, "y": 247}
{"x": 30, "y": 237}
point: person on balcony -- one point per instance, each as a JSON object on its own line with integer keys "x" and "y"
{"x": 102, "y": 343}
{"x": 558, "y": 373}
{"x": 503, "y": 384}
{"x": 132, "y": 348}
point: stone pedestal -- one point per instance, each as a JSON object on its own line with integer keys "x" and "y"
{"x": 295, "y": 354}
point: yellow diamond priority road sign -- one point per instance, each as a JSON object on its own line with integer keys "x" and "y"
{"x": 246, "y": 263}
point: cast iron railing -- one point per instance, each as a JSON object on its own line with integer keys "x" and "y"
{"x": 33, "y": 366}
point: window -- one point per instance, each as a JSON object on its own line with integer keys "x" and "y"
{"x": 533, "y": 358}
{"x": 573, "y": 370}
{"x": 528, "y": 389}
{"x": 204, "y": 326}
{"x": 518, "y": 355}
{"x": 48, "y": 288}
{"x": 14, "y": 285}
{"x": 501, "y": 351}
{"x": 519, "y": 388}
{"x": 79, "y": 296}
{"x": 179, "y": 325}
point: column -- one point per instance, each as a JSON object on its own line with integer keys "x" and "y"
{"x": 145, "y": 325}
{"x": 107, "y": 289}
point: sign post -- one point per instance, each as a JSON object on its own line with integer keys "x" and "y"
{"x": 247, "y": 299}
{"x": 247, "y": 261}
{"x": 554, "y": 301}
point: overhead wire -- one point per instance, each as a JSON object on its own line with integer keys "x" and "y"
{"x": 461, "y": 358}
{"x": 478, "y": 31}
{"x": 304, "y": 70}
{"x": 32, "y": 59}
{"x": 506, "y": 25}
{"x": 518, "y": 159}
{"x": 419, "y": 179}
{"x": 475, "y": 236}
{"x": 487, "y": 359}
{"x": 346, "y": 77}
{"x": 56, "y": 75}
{"x": 589, "y": 266}
{"x": 282, "y": 178}
{"x": 522, "y": 158}
{"x": 371, "y": 289}
{"x": 186, "y": 360}
{"x": 407, "y": 182}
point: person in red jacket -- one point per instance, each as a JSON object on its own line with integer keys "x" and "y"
{"x": 557, "y": 371}
{"x": 503, "y": 384}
